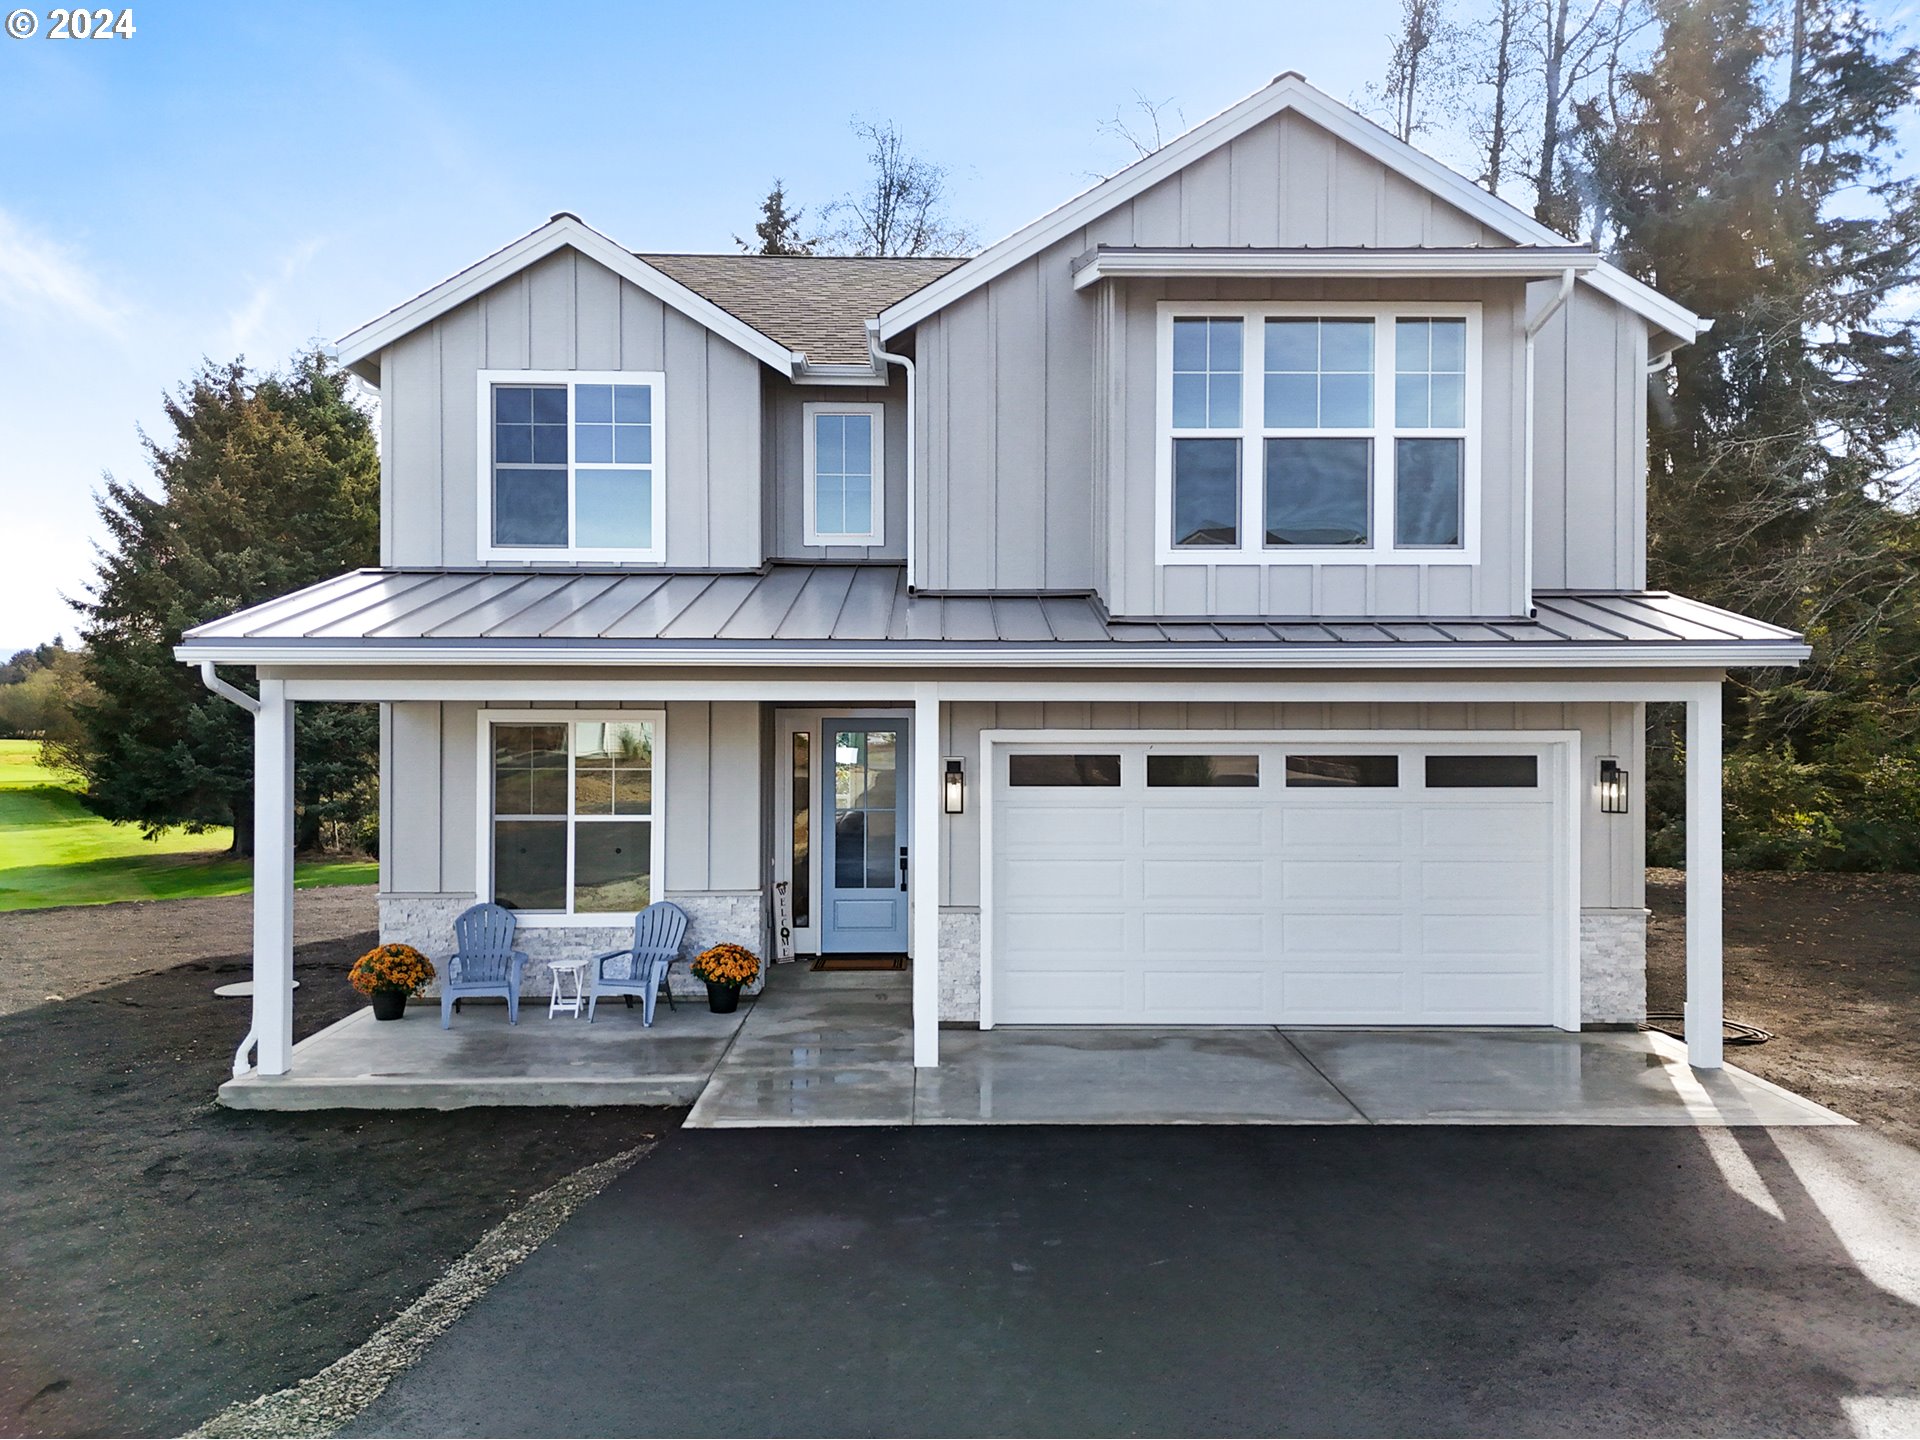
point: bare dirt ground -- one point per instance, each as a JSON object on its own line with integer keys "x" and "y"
{"x": 64, "y": 953}
{"x": 162, "y": 1258}
{"x": 1831, "y": 965}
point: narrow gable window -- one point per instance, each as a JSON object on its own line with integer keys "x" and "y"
{"x": 571, "y": 466}
{"x": 1301, "y": 430}
{"x": 845, "y": 496}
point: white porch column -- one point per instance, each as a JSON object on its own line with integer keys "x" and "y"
{"x": 1704, "y": 1004}
{"x": 273, "y": 879}
{"x": 927, "y": 866}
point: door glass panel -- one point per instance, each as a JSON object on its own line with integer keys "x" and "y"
{"x": 850, "y": 850}
{"x": 880, "y": 843}
{"x": 802, "y": 827}
{"x": 865, "y": 791}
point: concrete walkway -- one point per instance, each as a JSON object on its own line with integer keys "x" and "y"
{"x": 836, "y": 1049}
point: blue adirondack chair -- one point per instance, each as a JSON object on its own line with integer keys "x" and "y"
{"x": 484, "y": 961}
{"x": 642, "y": 969}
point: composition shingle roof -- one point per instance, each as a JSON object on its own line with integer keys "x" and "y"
{"x": 868, "y": 608}
{"x": 816, "y": 303}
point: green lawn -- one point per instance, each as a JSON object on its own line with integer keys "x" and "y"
{"x": 53, "y": 851}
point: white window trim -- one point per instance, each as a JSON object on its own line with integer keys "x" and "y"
{"x": 1252, "y": 549}
{"x": 654, "y": 554}
{"x": 876, "y": 534}
{"x": 484, "y": 816}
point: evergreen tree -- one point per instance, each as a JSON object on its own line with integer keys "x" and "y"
{"x": 1749, "y": 176}
{"x": 777, "y": 232}
{"x": 264, "y": 486}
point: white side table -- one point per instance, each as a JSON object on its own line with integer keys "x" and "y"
{"x": 569, "y": 986}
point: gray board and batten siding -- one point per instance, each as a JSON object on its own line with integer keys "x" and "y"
{"x": 785, "y": 467}
{"x": 568, "y": 312}
{"x": 1037, "y": 404}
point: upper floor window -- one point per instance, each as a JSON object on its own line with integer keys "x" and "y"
{"x": 571, "y": 465}
{"x": 845, "y": 500}
{"x": 1314, "y": 431}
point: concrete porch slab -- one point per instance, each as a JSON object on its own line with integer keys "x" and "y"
{"x": 412, "y": 1064}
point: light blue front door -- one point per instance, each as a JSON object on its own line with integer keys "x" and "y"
{"x": 863, "y": 889}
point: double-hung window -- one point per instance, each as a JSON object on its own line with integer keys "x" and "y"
{"x": 572, "y": 465}
{"x": 572, "y": 823}
{"x": 1306, "y": 431}
{"x": 845, "y": 446}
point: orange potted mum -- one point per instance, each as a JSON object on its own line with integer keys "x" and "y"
{"x": 726, "y": 968}
{"x": 389, "y": 974}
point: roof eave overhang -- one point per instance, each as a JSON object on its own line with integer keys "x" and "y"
{"x": 1057, "y": 655}
{"x": 1519, "y": 262}
{"x": 359, "y": 350}
{"x": 1287, "y": 92}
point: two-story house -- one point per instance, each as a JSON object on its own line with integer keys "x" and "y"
{"x": 1221, "y": 602}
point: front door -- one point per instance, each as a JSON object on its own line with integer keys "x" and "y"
{"x": 863, "y": 886}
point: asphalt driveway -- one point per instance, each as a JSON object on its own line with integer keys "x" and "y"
{"x": 1207, "y": 1281}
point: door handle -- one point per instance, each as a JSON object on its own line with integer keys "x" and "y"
{"x": 903, "y": 867}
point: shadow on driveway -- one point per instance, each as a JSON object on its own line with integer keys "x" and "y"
{"x": 1207, "y": 1281}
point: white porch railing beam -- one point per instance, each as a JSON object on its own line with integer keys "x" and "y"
{"x": 273, "y": 879}
{"x": 1704, "y": 1006}
{"x": 927, "y": 867}
{"x": 894, "y": 689}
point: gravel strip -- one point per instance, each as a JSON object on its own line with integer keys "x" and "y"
{"x": 320, "y": 1405}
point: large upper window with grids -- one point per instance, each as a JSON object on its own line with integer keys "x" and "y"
{"x": 572, "y": 465}
{"x": 1304, "y": 431}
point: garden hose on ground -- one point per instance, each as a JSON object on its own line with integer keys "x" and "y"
{"x": 1669, "y": 1022}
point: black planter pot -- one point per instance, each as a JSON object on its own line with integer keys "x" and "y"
{"x": 389, "y": 1004}
{"x": 722, "y": 999}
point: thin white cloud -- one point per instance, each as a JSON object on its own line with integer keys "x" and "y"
{"x": 40, "y": 278}
{"x": 247, "y": 325}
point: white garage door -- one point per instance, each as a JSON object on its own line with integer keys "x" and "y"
{"x": 1279, "y": 882}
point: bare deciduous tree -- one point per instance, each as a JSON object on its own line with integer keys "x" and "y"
{"x": 1422, "y": 71}
{"x": 1141, "y": 125}
{"x": 903, "y": 208}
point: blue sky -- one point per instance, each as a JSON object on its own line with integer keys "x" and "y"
{"x": 244, "y": 178}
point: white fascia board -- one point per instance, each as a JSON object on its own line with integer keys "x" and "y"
{"x": 1055, "y": 656}
{"x": 1515, "y": 262}
{"x": 1288, "y": 92}
{"x": 562, "y": 231}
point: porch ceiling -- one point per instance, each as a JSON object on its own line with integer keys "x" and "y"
{"x": 854, "y": 614}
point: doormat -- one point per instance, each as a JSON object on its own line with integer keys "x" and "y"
{"x": 860, "y": 962}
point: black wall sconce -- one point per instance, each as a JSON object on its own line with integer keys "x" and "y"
{"x": 953, "y": 786}
{"x": 1613, "y": 787}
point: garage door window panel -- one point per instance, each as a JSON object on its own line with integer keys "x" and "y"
{"x": 1343, "y": 772}
{"x": 1081, "y": 770}
{"x": 1483, "y": 772}
{"x": 1202, "y": 772}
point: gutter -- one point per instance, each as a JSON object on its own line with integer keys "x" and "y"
{"x": 1534, "y": 327}
{"x": 880, "y": 358}
{"x": 1041, "y": 655}
{"x": 234, "y": 696}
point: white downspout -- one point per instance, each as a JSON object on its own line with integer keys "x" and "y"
{"x": 1534, "y": 327}
{"x": 234, "y": 696}
{"x": 905, "y": 363}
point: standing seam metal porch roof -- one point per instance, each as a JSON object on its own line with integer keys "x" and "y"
{"x": 866, "y": 607}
